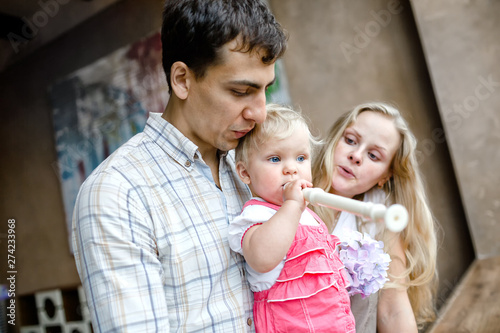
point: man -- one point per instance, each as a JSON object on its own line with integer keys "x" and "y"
{"x": 150, "y": 223}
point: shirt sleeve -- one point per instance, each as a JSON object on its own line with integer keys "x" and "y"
{"x": 116, "y": 256}
{"x": 249, "y": 217}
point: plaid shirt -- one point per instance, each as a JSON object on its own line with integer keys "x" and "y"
{"x": 150, "y": 234}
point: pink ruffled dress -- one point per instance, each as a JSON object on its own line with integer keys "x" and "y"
{"x": 310, "y": 293}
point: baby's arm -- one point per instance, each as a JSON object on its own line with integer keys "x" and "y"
{"x": 265, "y": 245}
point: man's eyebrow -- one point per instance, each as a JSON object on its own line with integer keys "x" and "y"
{"x": 251, "y": 83}
{"x": 271, "y": 83}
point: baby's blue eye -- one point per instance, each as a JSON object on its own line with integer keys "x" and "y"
{"x": 274, "y": 159}
{"x": 301, "y": 158}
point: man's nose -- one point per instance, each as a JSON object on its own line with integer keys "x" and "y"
{"x": 257, "y": 110}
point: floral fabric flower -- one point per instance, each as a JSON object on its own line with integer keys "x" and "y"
{"x": 365, "y": 261}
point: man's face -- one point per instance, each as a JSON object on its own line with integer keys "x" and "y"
{"x": 227, "y": 102}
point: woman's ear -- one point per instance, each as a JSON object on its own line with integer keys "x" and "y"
{"x": 180, "y": 75}
{"x": 384, "y": 180}
{"x": 242, "y": 172}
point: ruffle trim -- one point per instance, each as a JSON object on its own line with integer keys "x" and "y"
{"x": 315, "y": 262}
{"x": 306, "y": 286}
{"x": 308, "y": 239}
{"x": 309, "y": 268}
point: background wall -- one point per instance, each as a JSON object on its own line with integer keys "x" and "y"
{"x": 463, "y": 49}
{"x": 341, "y": 53}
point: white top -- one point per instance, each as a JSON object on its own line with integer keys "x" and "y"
{"x": 250, "y": 216}
{"x": 348, "y": 221}
{"x": 363, "y": 309}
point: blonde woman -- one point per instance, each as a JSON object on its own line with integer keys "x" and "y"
{"x": 369, "y": 155}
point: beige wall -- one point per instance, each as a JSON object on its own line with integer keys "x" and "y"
{"x": 330, "y": 65}
{"x": 343, "y": 53}
{"x": 462, "y": 46}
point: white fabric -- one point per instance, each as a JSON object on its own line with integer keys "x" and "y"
{"x": 363, "y": 309}
{"x": 250, "y": 216}
{"x": 347, "y": 221}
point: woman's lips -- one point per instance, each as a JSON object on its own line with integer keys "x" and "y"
{"x": 346, "y": 172}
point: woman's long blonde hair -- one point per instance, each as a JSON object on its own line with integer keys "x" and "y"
{"x": 405, "y": 187}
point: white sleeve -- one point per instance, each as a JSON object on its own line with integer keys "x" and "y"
{"x": 250, "y": 216}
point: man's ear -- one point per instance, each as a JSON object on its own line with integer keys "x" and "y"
{"x": 242, "y": 172}
{"x": 180, "y": 76}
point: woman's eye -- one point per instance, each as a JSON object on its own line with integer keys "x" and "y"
{"x": 274, "y": 159}
{"x": 372, "y": 156}
{"x": 349, "y": 141}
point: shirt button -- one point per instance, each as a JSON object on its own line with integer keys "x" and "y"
{"x": 249, "y": 321}
{"x": 188, "y": 163}
{"x": 320, "y": 230}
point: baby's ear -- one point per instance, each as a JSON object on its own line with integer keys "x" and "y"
{"x": 242, "y": 172}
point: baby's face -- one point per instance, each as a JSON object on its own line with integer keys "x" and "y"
{"x": 276, "y": 163}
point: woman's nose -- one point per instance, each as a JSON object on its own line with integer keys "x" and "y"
{"x": 355, "y": 158}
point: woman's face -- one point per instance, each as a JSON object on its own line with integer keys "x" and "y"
{"x": 363, "y": 156}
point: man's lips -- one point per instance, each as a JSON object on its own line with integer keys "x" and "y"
{"x": 240, "y": 134}
{"x": 346, "y": 172}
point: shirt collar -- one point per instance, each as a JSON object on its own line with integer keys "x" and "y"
{"x": 172, "y": 141}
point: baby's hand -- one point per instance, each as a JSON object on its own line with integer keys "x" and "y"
{"x": 293, "y": 191}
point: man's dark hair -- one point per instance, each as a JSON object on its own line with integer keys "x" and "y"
{"x": 193, "y": 32}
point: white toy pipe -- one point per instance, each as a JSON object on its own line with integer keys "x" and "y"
{"x": 395, "y": 217}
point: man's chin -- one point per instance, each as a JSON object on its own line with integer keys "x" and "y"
{"x": 227, "y": 145}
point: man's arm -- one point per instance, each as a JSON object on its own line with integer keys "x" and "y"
{"x": 116, "y": 256}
